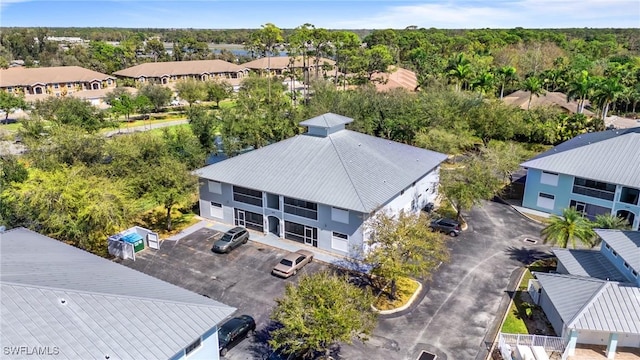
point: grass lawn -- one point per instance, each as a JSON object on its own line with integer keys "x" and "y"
{"x": 514, "y": 324}
{"x": 525, "y": 318}
{"x": 405, "y": 289}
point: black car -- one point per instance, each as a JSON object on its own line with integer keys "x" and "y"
{"x": 447, "y": 226}
{"x": 233, "y": 331}
{"x": 231, "y": 240}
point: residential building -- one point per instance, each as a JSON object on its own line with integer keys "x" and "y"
{"x": 320, "y": 187}
{"x": 167, "y": 73}
{"x": 394, "y": 78}
{"x": 595, "y": 173}
{"x": 594, "y": 297}
{"x": 58, "y": 301}
{"x": 40, "y": 83}
{"x": 281, "y": 65}
{"x": 558, "y": 100}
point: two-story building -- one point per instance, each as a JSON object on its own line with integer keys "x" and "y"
{"x": 595, "y": 173}
{"x": 61, "y": 302}
{"x": 39, "y": 83}
{"x": 167, "y": 73}
{"x": 320, "y": 187}
{"x": 280, "y": 65}
{"x": 594, "y": 296}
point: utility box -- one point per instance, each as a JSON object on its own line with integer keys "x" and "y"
{"x": 134, "y": 239}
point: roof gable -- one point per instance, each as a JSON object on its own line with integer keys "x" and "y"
{"x": 592, "y": 304}
{"x": 568, "y": 293}
{"x": 604, "y": 156}
{"x": 345, "y": 169}
{"x": 625, "y": 243}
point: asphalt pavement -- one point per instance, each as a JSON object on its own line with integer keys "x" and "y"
{"x": 460, "y": 304}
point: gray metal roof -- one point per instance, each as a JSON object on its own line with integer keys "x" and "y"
{"x": 588, "y": 263}
{"x": 616, "y": 308}
{"x": 593, "y": 304}
{"x": 611, "y": 156}
{"x": 345, "y": 169}
{"x": 327, "y": 120}
{"x": 108, "y": 309}
{"x": 625, "y": 243}
{"x": 568, "y": 293}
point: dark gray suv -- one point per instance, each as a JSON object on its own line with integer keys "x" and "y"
{"x": 231, "y": 240}
{"x": 447, "y": 226}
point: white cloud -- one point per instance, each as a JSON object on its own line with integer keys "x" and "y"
{"x": 5, "y": 3}
{"x": 503, "y": 14}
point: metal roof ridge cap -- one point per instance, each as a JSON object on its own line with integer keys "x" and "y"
{"x": 44, "y": 287}
{"x": 587, "y": 305}
{"x": 364, "y": 208}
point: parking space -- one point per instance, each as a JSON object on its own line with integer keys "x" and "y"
{"x": 241, "y": 278}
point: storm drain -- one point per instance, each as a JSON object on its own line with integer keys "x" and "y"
{"x": 530, "y": 241}
{"x": 426, "y": 356}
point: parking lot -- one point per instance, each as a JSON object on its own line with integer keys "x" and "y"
{"x": 241, "y": 279}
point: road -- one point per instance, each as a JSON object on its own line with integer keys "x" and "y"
{"x": 462, "y": 301}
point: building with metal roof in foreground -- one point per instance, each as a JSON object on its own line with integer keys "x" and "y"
{"x": 595, "y": 173}
{"x": 318, "y": 188}
{"x": 61, "y": 302}
{"x": 594, "y": 298}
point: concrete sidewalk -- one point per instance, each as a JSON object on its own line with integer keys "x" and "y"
{"x": 269, "y": 240}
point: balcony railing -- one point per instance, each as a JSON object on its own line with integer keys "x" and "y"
{"x": 600, "y": 194}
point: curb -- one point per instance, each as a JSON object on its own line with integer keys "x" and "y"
{"x": 501, "y": 200}
{"x": 403, "y": 307}
{"x": 503, "y": 309}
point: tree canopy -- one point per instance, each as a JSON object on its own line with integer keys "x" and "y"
{"x": 321, "y": 310}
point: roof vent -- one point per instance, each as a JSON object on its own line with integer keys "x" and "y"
{"x": 63, "y": 301}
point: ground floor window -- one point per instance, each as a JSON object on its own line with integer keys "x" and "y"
{"x": 248, "y": 219}
{"x": 301, "y": 233}
{"x": 546, "y": 201}
{"x": 216, "y": 210}
{"x": 340, "y": 241}
{"x": 589, "y": 210}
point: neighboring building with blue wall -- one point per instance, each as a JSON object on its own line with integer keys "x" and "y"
{"x": 594, "y": 295}
{"x": 595, "y": 173}
{"x": 320, "y": 187}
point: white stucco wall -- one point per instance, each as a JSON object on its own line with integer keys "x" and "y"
{"x": 424, "y": 191}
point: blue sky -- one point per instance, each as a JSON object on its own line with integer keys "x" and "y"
{"x": 347, "y": 14}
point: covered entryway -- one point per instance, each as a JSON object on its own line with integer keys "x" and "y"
{"x": 274, "y": 226}
{"x": 627, "y": 215}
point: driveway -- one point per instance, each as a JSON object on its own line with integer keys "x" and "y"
{"x": 241, "y": 279}
{"x": 462, "y": 301}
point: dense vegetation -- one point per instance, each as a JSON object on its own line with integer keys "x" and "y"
{"x": 462, "y": 76}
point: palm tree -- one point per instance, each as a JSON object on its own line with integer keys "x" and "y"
{"x": 484, "y": 83}
{"x": 579, "y": 88}
{"x": 534, "y": 86}
{"x": 460, "y": 70}
{"x": 507, "y": 75}
{"x": 568, "y": 228}
{"x": 610, "y": 221}
{"x": 265, "y": 40}
{"x": 607, "y": 92}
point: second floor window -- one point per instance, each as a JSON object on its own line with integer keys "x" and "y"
{"x": 247, "y": 196}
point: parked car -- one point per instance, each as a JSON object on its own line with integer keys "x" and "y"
{"x": 447, "y": 226}
{"x": 231, "y": 240}
{"x": 291, "y": 263}
{"x": 233, "y": 331}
